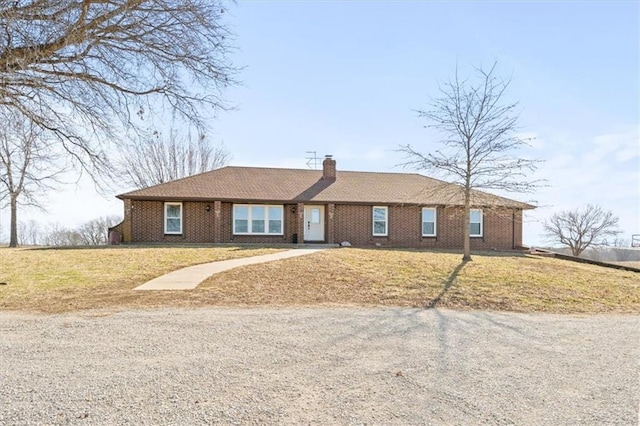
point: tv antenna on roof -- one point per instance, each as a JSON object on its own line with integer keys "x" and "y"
{"x": 312, "y": 160}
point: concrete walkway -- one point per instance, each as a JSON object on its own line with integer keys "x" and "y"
{"x": 190, "y": 277}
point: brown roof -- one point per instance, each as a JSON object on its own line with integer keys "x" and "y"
{"x": 254, "y": 184}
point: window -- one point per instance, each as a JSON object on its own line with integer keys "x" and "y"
{"x": 173, "y": 218}
{"x": 315, "y": 216}
{"x": 240, "y": 219}
{"x": 257, "y": 219}
{"x": 380, "y": 221}
{"x": 475, "y": 221}
{"x": 428, "y": 222}
{"x": 275, "y": 220}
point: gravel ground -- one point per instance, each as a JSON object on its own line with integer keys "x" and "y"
{"x": 318, "y": 366}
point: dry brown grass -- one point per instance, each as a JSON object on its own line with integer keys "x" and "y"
{"x": 63, "y": 280}
{"x": 414, "y": 278}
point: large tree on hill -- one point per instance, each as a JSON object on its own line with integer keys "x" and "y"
{"x": 86, "y": 70}
{"x": 29, "y": 166}
{"x": 581, "y": 228}
{"x": 478, "y": 126}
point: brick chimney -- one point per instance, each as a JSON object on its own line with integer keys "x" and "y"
{"x": 329, "y": 168}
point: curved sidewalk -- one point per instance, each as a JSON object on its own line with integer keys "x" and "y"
{"x": 190, "y": 277}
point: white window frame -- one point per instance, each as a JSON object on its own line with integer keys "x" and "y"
{"x": 435, "y": 222}
{"x": 386, "y": 221}
{"x": 166, "y": 205}
{"x": 481, "y": 223}
{"x": 250, "y": 208}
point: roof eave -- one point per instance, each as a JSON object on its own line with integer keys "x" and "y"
{"x": 522, "y": 206}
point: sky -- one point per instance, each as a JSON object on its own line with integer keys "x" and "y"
{"x": 346, "y": 79}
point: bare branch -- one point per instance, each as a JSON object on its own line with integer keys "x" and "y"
{"x": 478, "y": 128}
{"x": 581, "y": 228}
{"x": 153, "y": 159}
{"x": 83, "y": 70}
{"x": 30, "y": 166}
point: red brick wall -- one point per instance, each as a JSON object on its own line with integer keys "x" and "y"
{"x": 148, "y": 222}
{"x": 198, "y": 224}
{"x": 354, "y": 223}
{"x": 518, "y": 228}
{"x": 123, "y": 228}
{"x": 351, "y": 223}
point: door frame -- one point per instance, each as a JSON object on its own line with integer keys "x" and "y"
{"x": 306, "y": 222}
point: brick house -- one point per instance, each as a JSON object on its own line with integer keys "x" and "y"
{"x": 270, "y": 205}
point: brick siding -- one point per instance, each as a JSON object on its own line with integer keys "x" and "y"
{"x": 199, "y": 224}
{"x": 502, "y": 228}
{"x": 354, "y": 224}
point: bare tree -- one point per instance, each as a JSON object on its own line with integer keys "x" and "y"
{"x": 84, "y": 69}
{"x": 91, "y": 233}
{"x": 29, "y": 166}
{"x": 59, "y": 235}
{"x": 30, "y": 233}
{"x": 96, "y": 231}
{"x": 581, "y": 228}
{"x": 154, "y": 160}
{"x": 478, "y": 126}
{"x": 618, "y": 243}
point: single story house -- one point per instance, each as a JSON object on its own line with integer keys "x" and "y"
{"x": 275, "y": 205}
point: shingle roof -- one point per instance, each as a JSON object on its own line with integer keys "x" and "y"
{"x": 254, "y": 184}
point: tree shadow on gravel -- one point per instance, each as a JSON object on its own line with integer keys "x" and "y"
{"x": 447, "y": 285}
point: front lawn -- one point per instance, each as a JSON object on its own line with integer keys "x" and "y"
{"x": 493, "y": 281}
{"x": 58, "y": 280}
{"x": 62, "y": 279}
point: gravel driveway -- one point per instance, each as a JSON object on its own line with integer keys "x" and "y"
{"x": 318, "y": 365}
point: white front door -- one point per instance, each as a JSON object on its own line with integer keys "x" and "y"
{"x": 314, "y": 223}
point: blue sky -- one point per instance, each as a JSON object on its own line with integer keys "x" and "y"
{"x": 344, "y": 78}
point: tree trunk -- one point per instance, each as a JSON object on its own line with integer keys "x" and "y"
{"x": 13, "y": 239}
{"x": 466, "y": 256}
